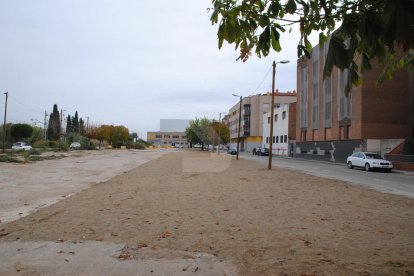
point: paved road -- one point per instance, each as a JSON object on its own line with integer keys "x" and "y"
{"x": 396, "y": 182}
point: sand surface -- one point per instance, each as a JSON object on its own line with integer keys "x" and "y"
{"x": 277, "y": 222}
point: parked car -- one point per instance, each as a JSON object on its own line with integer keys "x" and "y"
{"x": 232, "y": 151}
{"x": 261, "y": 151}
{"x": 368, "y": 161}
{"x": 75, "y": 145}
{"x": 264, "y": 152}
{"x": 21, "y": 146}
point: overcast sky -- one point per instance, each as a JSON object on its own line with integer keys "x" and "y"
{"x": 125, "y": 62}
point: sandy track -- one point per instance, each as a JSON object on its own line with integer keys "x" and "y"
{"x": 28, "y": 187}
{"x": 277, "y": 222}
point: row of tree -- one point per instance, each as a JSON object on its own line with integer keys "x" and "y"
{"x": 207, "y": 132}
{"x": 74, "y": 125}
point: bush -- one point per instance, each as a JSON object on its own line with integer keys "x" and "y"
{"x": 34, "y": 151}
{"x": 53, "y": 144}
{"x": 40, "y": 144}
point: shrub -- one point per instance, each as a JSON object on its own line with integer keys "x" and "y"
{"x": 34, "y": 151}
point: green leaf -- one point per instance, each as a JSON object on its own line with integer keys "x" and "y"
{"x": 275, "y": 40}
{"x": 290, "y": 7}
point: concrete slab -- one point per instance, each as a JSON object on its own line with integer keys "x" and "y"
{"x": 98, "y": 258}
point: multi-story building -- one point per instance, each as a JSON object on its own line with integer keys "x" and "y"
{"x": 284, "y": 129}
{"x": 253, "y": 108}
{"x": 172, "y": 133}
{"x": 331, "y": 125}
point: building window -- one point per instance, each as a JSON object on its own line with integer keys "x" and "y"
{"x": 303, "y": 135}
{"x": 158, "y": 136}
{"x": 285, "y": 138}
{"x": 268, "y": 120}
{"x": 315, "y": 88}
{"x": 344, "y": 102}
{"x": 176, "y": 137}
{"x": 274, "y": 139}
{"x": 275, "y": 117}
{"x": 277, "y": 139}
{"x": 284, "y": 115}
{"x": 167, "y": 136}
{"x": 276, "y": 105}
{"x": 267, "y": 140}
{"x": 183, "y": 137}
{"x": 303, "y": 97}
{"x": 328, "y": 102}
{"x": 281, "y": 138}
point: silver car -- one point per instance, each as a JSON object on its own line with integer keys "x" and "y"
{"x": 368, "y": 161}
{"x": 21, "y": 146}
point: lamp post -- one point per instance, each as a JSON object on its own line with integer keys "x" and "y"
{"x": 238, "y": 133}
{"x": 272, "y": 108}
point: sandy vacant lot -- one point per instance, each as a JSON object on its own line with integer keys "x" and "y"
{"x": 277, "y": 222}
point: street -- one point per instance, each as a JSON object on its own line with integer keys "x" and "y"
{"x": 396, "y": 182}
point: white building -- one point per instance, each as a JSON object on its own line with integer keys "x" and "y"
{"x": 173, "y": 125}
{"x": 281, "y": 131}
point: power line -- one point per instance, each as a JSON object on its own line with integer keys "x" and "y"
{"x": 24, "y": 105}
{"x": 257, "y": 89}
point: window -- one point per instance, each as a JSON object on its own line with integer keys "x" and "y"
{"x": 158, "y": 136}
{"x": 176, "y": 136}
{"x": 281, "y": 138}
{"x": 267, "y": 140}
{"x": 303, "y": 97}
{"x": 167, "y": 136}
{"x": 268, "y": 120}
{"x": 344, "y": 102}
{"x": 183, "y": 137}
{"x": 315, "y": 88}
{"x": 275, "y": 117}
{"x": 277, "y": 105}
{"x": 327, "y": 86}
{"x": 277, "y": 139}
{"x": 284, "y": 115}
{"x": 274, "y": 139}
{"x": 285, "y": 138}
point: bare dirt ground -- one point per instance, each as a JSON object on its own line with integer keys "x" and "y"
{"x": 277, "y": 222}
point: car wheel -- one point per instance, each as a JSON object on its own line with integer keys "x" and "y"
{"x": 367, "y": 167}
{"x": 350, "y": 165}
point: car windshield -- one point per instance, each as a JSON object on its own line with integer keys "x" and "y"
{"x": 372, "y": 156}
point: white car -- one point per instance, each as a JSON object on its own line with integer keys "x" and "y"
{"x": 368, "y": 161}
{"x": 75, "y": 145}
{"x": 21, "y": 146}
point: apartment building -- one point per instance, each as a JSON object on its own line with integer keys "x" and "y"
{"x": 253, "y": 108}
{"x": 284, "y": 129}
{"x": 331, "y": 125}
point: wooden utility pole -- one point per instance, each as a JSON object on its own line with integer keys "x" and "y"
{"x": 4, "y": 124}
{"x": 272, "y": 108}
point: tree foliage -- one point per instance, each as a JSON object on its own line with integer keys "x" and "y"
{"x": 206, "y": 132}
{"x": 54, "y": 127}
{"x": 367, "y": 29}
{"x": 115, "y": 135}
{"x": 21, "y": 131}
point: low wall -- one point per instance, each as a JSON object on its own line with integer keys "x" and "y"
{"x": 333, "y": 151}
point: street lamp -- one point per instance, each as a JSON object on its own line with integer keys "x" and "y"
{"x": 238, "y": 133}
{"x": 272, "y": 111}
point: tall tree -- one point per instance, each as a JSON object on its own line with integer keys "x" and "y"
{"x": 368, "y": 29}
{"x": 75, "y": 123}
{"x": 54, "y": 127}
{"x": 82, "y": 129}
{"x": 69, "y": 124}
{"x": 197, "y": 132}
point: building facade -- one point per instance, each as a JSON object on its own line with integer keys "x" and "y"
{"x": 165, "y": 138}
{"x": 172, "y": 133}
{"x": 253, "y": 108}
{"x": 331, "y": 124}
{"x": 284, "y": 129}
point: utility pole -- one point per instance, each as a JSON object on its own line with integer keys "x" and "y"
{"x": 45, "y": 127}
{"x": 219, "y": 132}
{"x": 4, "y": 124}
{"x": 272, "y": 108}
